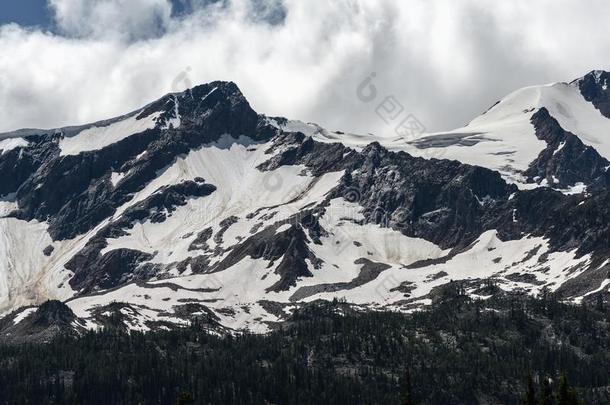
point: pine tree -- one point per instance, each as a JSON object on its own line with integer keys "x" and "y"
{"x": 530, "y": 394}
{"x": 566, "y": 394}
{"x": 547, "y": 393}
{"x": 407, "y": 393}
{"x": 600, "y": 303}
{"x": 185, "y": 399}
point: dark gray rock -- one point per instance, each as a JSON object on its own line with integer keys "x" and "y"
{"x": 594, "y": 88}
{"x": 566, "y": 160}
{"x": 290, "y": 245}
{"x": 201, "y": 241}
{"x": 114, "y": 268}
{"x": 442, "y": 201}
{"x": 51, "y": 319}
{"x": 368, "y": 272}
{"x": 93, "y": 271}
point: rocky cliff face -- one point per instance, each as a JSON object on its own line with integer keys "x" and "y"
{"x": 594, "y": 88}
{"x": 197, "y": 207}
{"x": 566, "y": 161}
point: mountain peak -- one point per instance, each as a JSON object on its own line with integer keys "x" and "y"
{"x": 227, "y": 88}
{"x": 597, "y": 76}
{"x": 196, "y": 103}
{"x": 169, "y": 109}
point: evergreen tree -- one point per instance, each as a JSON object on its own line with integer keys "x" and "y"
{"x": 530, "y": 394}
{"x": 327, "y": 356}
{"x": 600, "y": 303}
{"x": 546, "y": 396}
{"x": 185, "y": 399}
{"x": 566, "y": 394}
{"x": 407, "y": 390}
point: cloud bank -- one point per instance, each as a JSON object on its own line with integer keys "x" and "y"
{"x": 445, "y": 61}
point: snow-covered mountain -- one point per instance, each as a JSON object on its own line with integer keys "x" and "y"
{"x": 196, "y": 207}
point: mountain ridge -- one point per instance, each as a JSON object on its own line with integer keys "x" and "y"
{"x": 196, "y": 204}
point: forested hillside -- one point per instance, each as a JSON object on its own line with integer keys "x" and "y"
{"x": 462, "y": 351}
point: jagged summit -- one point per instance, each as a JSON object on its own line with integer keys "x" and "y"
{"x": 190, "y": 102}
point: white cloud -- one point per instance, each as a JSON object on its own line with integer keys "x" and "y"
{"x": 129, "y": 19}
{"x": 446, "y": 61}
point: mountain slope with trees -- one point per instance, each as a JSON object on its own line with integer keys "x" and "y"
{"x": 509, "y": 349}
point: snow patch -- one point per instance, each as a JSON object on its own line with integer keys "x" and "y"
{"x": 115, "y": 178}
{"x": 23, "y": 264}
{"x": 602, "y": 287}
{"x": 9, "y": 144}
{"x": 23, "y": 314}
{"x": 283, "y": 228}
{"x": 241, "y": 190}
{"x": 96, "y": 138}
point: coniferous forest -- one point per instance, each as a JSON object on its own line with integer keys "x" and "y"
{"x": 508, "y": 349}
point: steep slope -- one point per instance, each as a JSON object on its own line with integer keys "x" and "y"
{"x": 197, "y": 207}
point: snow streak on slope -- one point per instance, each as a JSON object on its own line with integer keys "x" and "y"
{"x": 7, "y": 205}
{"x": 241, "y": 287}
{"x": 320, "y": 134}
{"x": 348, "y": 241}
{"x": 95, "y": 138}
{"x": 502, "y": 139}
{"x": 28, "y": 275}
{"x": 236, "y": 293}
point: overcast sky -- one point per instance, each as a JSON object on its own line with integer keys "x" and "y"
{"x": 76, "y": 61}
